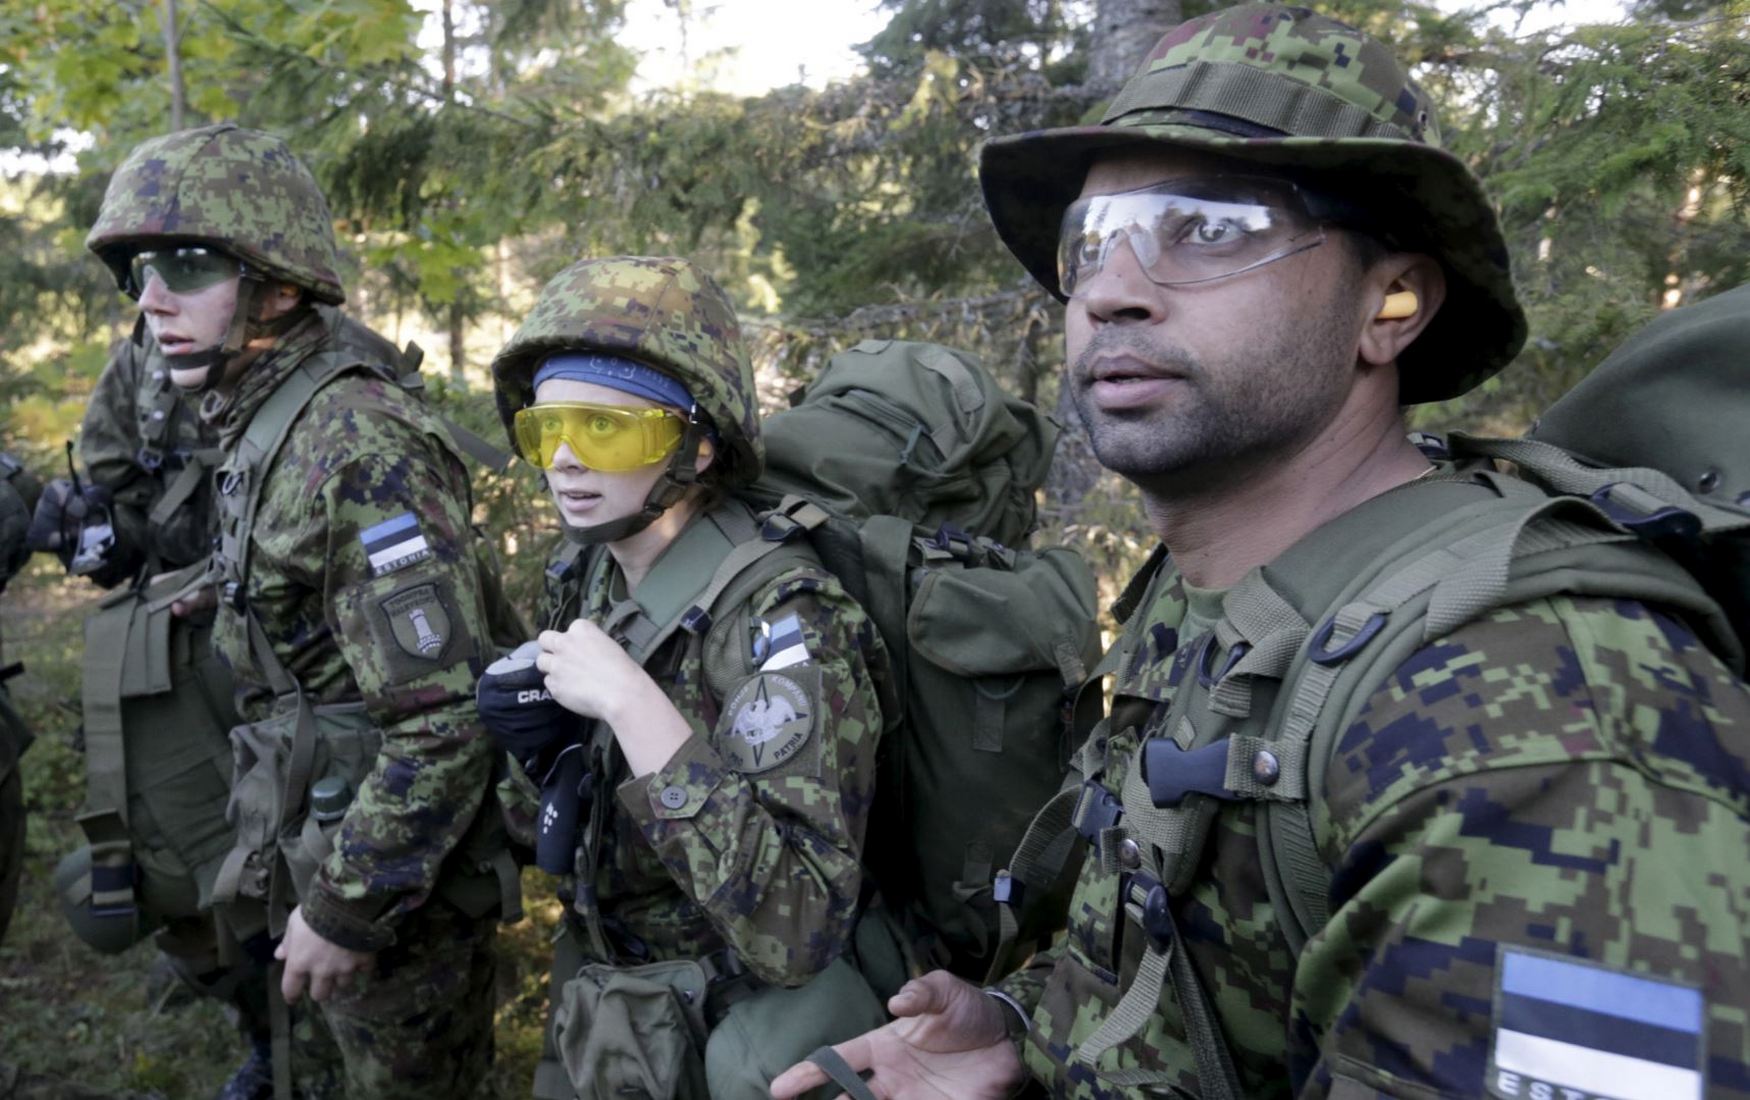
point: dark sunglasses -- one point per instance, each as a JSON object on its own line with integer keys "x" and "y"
{"x": 182, "y": 270}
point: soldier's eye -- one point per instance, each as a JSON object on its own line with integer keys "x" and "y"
{"x": 601, "y": 424}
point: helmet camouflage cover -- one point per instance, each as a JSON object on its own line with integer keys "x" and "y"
{"x": 1287, "y": 89}
{"x": 662, "y": 312}
{"x": 239, "y": 190}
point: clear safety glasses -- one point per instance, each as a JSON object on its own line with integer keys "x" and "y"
{"x": 1187, "y": 231}
{"x": 182, "y": 270}
{"x": 603, "y": 437}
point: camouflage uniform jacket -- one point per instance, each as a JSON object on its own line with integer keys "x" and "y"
{"x": 127, "y": 420}
{"x": 366, "y": 476}
{"x": 741, "y": 842}
{"x": 1564, "y": 779}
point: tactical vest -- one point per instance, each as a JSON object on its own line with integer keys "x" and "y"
{"x": 279, "y": 841}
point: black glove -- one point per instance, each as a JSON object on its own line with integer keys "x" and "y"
{"x": 74, "y": 524}
{"x": 520, "y": 715}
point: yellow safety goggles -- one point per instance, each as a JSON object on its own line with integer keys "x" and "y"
{"x": 603, "y": 437}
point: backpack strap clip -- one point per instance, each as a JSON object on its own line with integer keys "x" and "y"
{"x": 1206, "y": 659}
{"x": 1644, "y": 513}
{"x": 1234, "y": 769}
{"x": 1146, "y": 900}
{"x": 1096, "y": 810}
{"x": 1320, "y": 652}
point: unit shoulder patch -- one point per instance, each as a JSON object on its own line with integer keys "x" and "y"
{"x": 1572, "y": 1028}
{"x": 769, "y": 720}
{"x": 415, "y": 628}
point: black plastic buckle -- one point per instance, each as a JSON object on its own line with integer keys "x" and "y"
{"x": 696, "y": 620}
{"x": 149, "y": 459}
{"x": 779, "y": 527}
{"x": 1172, "y": 773}
{"x": 1008, "y": 890}
{"x": 1204, "y": 676}
{"x": 234, "y": 597}
{"x": 1097, "y": 810}
{"x": 229, "y": 482}
{"x": 1156, "y": 905}
{"x": 1667, "y": 522}
{"x": 1319, "y": 654}
{"x": 953, "y": 540}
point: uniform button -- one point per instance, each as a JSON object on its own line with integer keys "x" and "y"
{"x": 673, "y": 797}
{"x": 1266, "y": 769}
{"x": 1129, "y": 854}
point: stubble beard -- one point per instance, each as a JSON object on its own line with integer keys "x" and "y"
{"x": 1224, "y": 418}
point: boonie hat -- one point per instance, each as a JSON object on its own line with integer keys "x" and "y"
{"x": 1286, "y": 89}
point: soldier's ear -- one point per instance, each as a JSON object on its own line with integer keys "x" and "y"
{"x": 1401, "y": 294}
{"x": 278, "y": 299}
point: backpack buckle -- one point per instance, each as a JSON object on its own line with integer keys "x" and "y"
{"x": 1149, "y": 904}
{"x": 1660, "y": 521}
{"x": 149, "y": 459}
{"x": 953, "y": 540}
{"x": 1007, "y": 890}
{"x": 1097, "y": 810}
{"x": 1172, "y": 773}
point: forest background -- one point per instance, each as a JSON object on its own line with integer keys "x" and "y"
{"x": 470, "y": 150}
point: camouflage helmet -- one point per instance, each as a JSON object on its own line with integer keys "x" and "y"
{"x": 1300, "y": 93}
{"x": 239, "y": 190}
{"x": 108, "y": 932}
{"x": 665, "y": 313}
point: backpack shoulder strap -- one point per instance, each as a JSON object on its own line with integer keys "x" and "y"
{"x": 1526, "y": 546}
{"x": 240, "y": 484}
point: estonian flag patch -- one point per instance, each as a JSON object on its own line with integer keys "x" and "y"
{"x": 783, "y": 641}
{"x": 394, "y": 543}
{"x": 1575, "y": 1030}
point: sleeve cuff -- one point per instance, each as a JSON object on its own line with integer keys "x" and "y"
{"x": 678, "y": 790}
{"x": 345, "y": 923}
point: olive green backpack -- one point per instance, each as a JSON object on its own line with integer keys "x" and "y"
{"x": 1635, "y": 485}
{"x": 910, "y": 475}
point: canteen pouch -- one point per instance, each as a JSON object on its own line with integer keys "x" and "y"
{"x": 634, "y": 1031}
{"x": 275, "y": 763}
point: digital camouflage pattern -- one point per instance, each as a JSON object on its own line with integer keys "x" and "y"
{"x": 1568, "y": 775}
{"x": 419, "y": 1026}
{"x": 363, "y": 452}
{"x": 1284, "y": 88}
{"x": 699, "y": 855}
{"x": 241, "y": 190}
{"x": 664, "y": 313}
{"x": 122, "y": 417}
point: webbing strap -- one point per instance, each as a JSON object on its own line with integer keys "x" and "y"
{"x": 717, "y": 546}
{"x": 1563, "y": 473}
{"x": 1165, "y": 959}
{"x": 886, "y": 544}
{"x": 104, "y": 817}
{"x": 1272, "y": 630}
{"x": 183, "y": 485}
{"x": 470, "y": 443}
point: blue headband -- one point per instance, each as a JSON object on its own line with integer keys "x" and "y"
{"x": 616, "y": 374}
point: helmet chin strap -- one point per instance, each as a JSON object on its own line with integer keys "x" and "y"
{"x": 242, "y": 329}
{"x": 680, "y": 475}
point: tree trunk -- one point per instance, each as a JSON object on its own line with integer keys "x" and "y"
{"x": 173, "y": 54}
{"x": 458, "y": 330}
{"x": 1123, "y": 33}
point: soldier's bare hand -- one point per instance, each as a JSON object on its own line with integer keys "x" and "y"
{"x": 949, "y": 1043}
{"x": 324, "y": 965}
{"x": 587, "y": 671}
{"x": 204, "y": 598}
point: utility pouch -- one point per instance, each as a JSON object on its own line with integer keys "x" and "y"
{"x": 634, "y": 1031}
{"x": 276, "y": 764}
